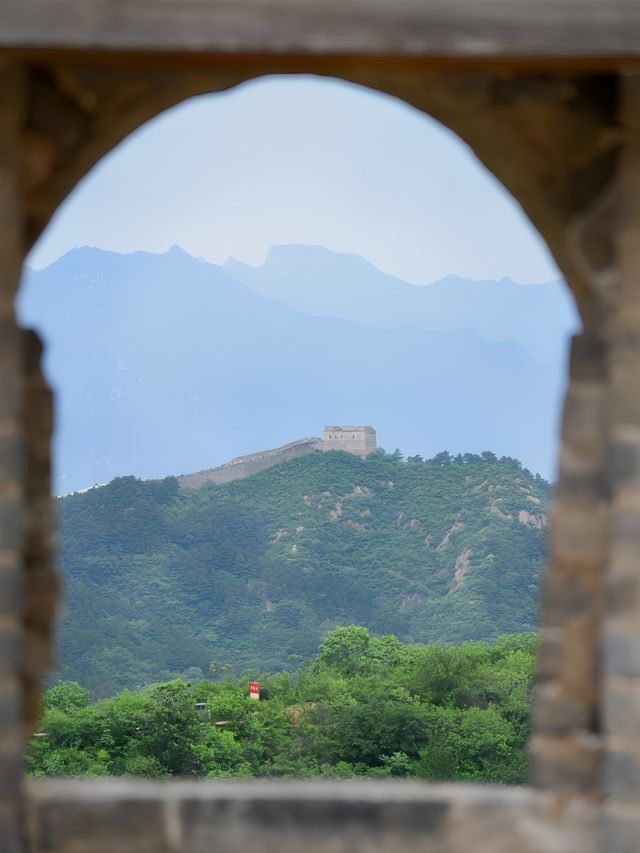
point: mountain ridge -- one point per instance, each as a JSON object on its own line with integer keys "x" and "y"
{"x": 317, "y": 281}
{"x": 160, "y": 580}
{"x": 162, "y": 364}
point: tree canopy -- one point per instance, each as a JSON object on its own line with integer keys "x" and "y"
{"x": 162, "y": 583}
{"x": 365, "y": 706}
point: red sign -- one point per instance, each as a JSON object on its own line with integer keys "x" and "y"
{"x": 254, "y": 690}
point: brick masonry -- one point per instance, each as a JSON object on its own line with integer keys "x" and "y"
{"x": 360, "y": 440}
{"x": 244, "y": 466}
{"x": 287, "y": 817}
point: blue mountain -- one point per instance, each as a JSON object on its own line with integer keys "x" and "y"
{"x": 165, "y": 364}
{"x": 316, "y": 281}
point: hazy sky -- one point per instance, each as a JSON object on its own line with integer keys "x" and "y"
{"x": 302, "y": 160}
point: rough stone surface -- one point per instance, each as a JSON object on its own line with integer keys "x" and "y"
{"x": 286, "y": 817}
{"x": 11, "y": 831}
{"x": 621, "y": 704}
{"x": 620, "y": 830}
{"x": 622, "y": 768}
{"x": 621, "y": 652}
{"x": 360, "y": 440}
{"x": 567, "y": 763}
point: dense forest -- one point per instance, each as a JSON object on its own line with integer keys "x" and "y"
{"x": 254, "y": 573}
{"x": 366, "y": 706}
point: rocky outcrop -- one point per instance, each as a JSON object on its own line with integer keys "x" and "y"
{"x": 463, "y": 565}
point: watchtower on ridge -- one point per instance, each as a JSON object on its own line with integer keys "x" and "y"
{"x": 360, "y": 440}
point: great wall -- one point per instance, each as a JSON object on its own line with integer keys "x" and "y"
{"x": 360, "y": 440}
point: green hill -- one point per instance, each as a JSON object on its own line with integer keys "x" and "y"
{"x": 254, "y": 573}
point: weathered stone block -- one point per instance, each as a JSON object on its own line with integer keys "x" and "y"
{"x": 11, "y": 517}
{"x": 11, "y": 834}
{"x": 10, "y": 766}
{"x": 11, "y": 456}
{"x": 621, "y": 595}
{"x": 11, "y": 583}
{"x": 38, "y": 652}
{"x": 621, "y": 705}
{"x": 621, "y": 653}
{"x": 624, "y": 399}
{"x": 550, "y": 652}
{"x": 621, "y": 770}
{"x": 620, "y": 830}
{"x": 583, "y": 419}
{"x": 587, "y": 358}
{"x": 579, "y": 532}
{"x": 557, "y": 712}
{"x": 11, "y": 646}
{"x": 567, "y": 593}
{"x": 41, "y": 595}
{"x": 623, "y": 462}
{"x": 581, "y": 474}
{"x": 84, "y": 816}
{"x": 566, "y": 763}
{"x": 101, "y": 826}
{"x": 10, "y": 704}
{"x": 289, "y": 825}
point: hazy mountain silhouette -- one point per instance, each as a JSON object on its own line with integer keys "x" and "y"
{"x": 165, "y": 364}
{"x": 316, "y": 281}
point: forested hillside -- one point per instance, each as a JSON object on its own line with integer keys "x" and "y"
{"x": 367, "y": 706}
{"x": 253, "y": 574}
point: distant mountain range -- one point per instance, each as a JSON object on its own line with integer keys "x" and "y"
{"x": 166, "y": 364}
{"x": 315, "y": 281}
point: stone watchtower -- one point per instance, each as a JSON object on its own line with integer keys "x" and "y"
{"x": 360, "y": 440}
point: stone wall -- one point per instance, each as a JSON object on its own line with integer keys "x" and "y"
{"x": 244, "y": 466}
{"x": 360, "y": 440}
{"x": 128, "y": 816}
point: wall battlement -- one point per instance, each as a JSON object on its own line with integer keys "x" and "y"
{"x": 360, "y": 440}
{"x": 244, "y": 466}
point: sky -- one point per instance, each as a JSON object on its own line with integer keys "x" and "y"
{"x": 302, "y": 160}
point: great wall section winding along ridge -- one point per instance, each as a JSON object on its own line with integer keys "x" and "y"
{"x": 360, "y": 440}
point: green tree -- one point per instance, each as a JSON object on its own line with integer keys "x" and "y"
{"x": 171, "y": 726}
{"x": 66, "y": 696}
{"x": 343, "y": 650}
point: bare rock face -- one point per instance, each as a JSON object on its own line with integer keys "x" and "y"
{"x": 463, "y": 564}
{"x": 532, "y": 519}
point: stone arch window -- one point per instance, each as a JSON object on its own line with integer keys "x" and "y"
{"x": 550, "y": 103}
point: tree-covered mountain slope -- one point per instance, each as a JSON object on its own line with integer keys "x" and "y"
{"x": 254, "y": 573}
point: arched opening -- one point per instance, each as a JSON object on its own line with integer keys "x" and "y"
{"x": 343, "y": 436}
{"x": 513, "y": 118}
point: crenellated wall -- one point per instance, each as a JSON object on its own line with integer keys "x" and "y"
{"x": 244, "y": 466}
{"x": 360, "y": 440}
